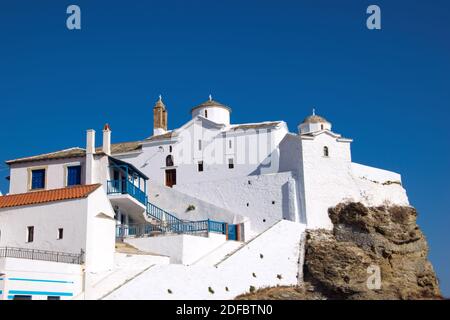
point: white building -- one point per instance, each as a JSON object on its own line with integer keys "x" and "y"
{"x": 159, "y": 193}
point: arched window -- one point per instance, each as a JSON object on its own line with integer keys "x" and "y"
{"x": 325, "y": 152}
{"x": 321, "y": 127}
{"x": 206, "y": 113}
{"x": 169, "y": 161}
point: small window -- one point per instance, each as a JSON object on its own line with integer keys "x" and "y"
{"x": 199, "y": 144}
{"x": 200, "y": 166}
{"x": 206, "y": 113}
{"x": 325, "y": 152}
{"x": 170, "y": 149}
{"x": 38, "y": 179}
{"x": 230, "y": 144}
{"x": 53, "y": 298}
{"x": 321, "y": 126}
{"x": 230, "y": 164}
{"x": 20, "y": 297}
{"x": 60, "y": 233}
{"x": 73, "y": 176}
{"x": 30, "y": 234}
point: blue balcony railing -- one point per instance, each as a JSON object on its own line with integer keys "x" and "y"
{"x": 126, "y": 187}
{"x": 181, "y": 227}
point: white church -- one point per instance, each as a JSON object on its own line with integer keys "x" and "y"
{"x": 209, "y": 210}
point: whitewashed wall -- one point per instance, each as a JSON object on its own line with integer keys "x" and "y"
{"x": 262, "y": 200}
{"x": 40, "y": 279}
{"x": 88, "y": 224}
{"x": 56, "y": 174}
{"x": 46, "y": 219}
{"x": 100, "y": 233}
{"x": 331, "y": 180}
{"x": 182, "y": 249}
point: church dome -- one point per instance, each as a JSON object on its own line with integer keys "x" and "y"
{"x": 314, "y": 123}
{"x": 212, "y": 103}
{"x": 213, "y": 110}
{"x": 315, "y": 119}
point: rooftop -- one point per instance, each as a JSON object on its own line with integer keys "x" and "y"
{"x": 117, "y": 148}
{"x": 260, "y": 125}
{"x": 30, "y": 198}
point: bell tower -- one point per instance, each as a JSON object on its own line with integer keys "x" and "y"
{"x": 159, "y": 118}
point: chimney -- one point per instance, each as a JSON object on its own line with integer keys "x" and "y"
{"x": 107, "y": 139}
{"x": 90, "y": 141}
{"x": 159, "y": 118}
{"x": 90, "y": 150}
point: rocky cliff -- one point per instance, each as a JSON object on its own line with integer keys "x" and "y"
{"x": 372, "y": 253}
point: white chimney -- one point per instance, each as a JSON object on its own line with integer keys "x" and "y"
{"x": 90, "y": 141}
{"x": 90, "y": 150}
{"x": 107, "y": 139}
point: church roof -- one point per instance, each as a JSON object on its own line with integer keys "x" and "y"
{"x": 260, "y": 125}
{"x": 314, "y": 119}
{"x": 164, "y": 136}
{"x": 211, "y": 103}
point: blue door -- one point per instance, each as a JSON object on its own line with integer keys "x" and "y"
{"x": 232, "y": 232}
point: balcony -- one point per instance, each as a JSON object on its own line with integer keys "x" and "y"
{"x": 126, "y": 187}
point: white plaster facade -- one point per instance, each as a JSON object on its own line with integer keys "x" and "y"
{"x": 88, "y": 225}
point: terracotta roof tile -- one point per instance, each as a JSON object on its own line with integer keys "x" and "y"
{"x": 24, "y": 199}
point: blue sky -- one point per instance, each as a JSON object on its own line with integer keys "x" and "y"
{"x": 389, "y": 90}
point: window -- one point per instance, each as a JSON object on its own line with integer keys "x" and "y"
{"x": 206, "y": 113}
{"x": 321, "y": 126}
{"x": 230, "y": 164}
{"x": 169, "y": 161}
{"x": 200, "y": 166}
{"x": 38, "y": 179}
{"x": 30, "y": 234}
{"x": 20, "y": 297}
{"x": 199, "y": 144}
{"x": 53, "y": 298}
{"x": 325, "y": 152}
{"x": 60, "y": 233}
{"x": 73, "y": 176}
{"x": 230, "y": 144}
{"x": 170, "y": 149}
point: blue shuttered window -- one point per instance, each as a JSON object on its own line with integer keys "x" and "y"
{"x": 74, "y": 176}
{"x": 38, "y": 179}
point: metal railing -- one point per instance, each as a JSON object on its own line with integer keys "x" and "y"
{"x": 202, "y": 227}
{"x": 161, "y": 215}
{"x": 125, "y": 186}
{"x": 43, "y": 255}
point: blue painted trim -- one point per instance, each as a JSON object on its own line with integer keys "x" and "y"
{"x": 1, "y": 291}
{"x": 40, "y": 293}
{"x": 39, "y": 280}
{"x": 10, "y": 297}
{"x": 1, "y": 279}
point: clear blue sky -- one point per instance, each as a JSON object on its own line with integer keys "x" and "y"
{"x": 268, "y": 60}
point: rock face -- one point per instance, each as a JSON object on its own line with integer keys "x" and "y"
{"x": 372, "y": 253}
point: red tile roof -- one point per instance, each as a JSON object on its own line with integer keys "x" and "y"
{"x": 24, "y": 199}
